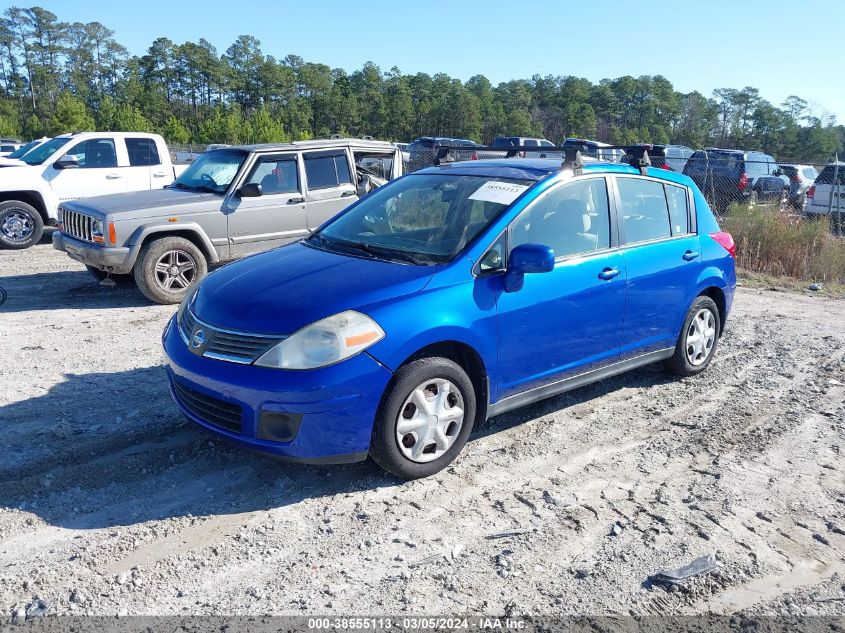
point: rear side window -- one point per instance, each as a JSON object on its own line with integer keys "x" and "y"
{"x": 828, "y": 173}
{"x": 572, "y": 219}
{"x": 323, "y": 171}
{"x": 142, "y": 152}
{"x": 678, "y": 209}
{"x": 810, "y": 173}
{"x": 546, "y": 144}
{"x": 645, "y": 215}
{"x": 530, "y": 142}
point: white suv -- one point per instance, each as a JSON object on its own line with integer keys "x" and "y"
{"x": 827, "y": 195}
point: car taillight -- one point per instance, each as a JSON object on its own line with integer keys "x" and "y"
{"x": 473, "y": 156}
{"x": 726, "y": 241}
{"x": 743, "y": 182}
{"x": 811, "y": 192}
{"x": 794, "y": 178}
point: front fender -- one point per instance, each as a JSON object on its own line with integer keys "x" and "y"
{"x": 141, "y": 233}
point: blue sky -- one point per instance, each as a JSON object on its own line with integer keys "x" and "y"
{"x": 777, "y": 46}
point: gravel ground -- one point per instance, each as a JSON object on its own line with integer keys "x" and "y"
{"x": 112, "y": 503}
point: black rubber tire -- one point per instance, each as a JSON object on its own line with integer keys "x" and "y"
{"x": 384, "y": 448}
{"x": 678, "y": 364}
{"x": 120, "y": 280}
{"x": 37, "y": 225}
{"x": 144, "y": 269}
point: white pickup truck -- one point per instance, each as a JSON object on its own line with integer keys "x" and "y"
{"x": 75, "y": 166}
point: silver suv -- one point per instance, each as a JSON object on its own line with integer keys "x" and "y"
{"x": 230, "y": 202}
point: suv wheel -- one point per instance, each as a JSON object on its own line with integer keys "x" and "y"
{"x": 21, "y": 225}
{"x": 425, "y": 418}
{"x": 168, "y": 267}
{"x": 698, "y": 339}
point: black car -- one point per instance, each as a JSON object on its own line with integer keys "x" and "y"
{"x": 734, "y": 175}
{"x": 422, "y": 151}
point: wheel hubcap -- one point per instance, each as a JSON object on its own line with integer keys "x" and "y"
{"x": 17, "y": 225}
{"x": 175, "y": 270}
{"x": 430, "y": 420}
{"x": 701, "y": 335}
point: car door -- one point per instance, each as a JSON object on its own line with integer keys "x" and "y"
{"x": 567, "y": 321}
{"x": 662, "y": 259}
{"x": 275, "y": 217}
{"x": 98, "y": 173}
{"x": 329, "y": 186}
{"x": 145, "y": 170}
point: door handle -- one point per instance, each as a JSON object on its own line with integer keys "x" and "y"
{"x": 159, "y": 175}
{"x": 690, "y": 255}
{"x": 346, "y": 194}
{"x": 608, "y": 273}
{"x": 296, "y": 200}
{"x": 113, "y": 176}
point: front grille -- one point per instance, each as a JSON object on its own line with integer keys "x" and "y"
{"x": 77, "y": 225}
{"x": 218, "y": 412}
{"x": 234, "y": 347}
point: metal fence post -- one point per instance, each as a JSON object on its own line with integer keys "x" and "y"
{"x": 835, "y": 225}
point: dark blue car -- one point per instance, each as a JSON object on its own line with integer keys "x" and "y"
{"x": 446, "y": 297}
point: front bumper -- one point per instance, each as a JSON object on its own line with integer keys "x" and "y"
{"x": 334, "y": 407}
{"x": 117, "y": 260}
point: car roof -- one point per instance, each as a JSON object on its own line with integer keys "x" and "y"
{"x": 316, "y": 144}
{"x": 535, "y": 169}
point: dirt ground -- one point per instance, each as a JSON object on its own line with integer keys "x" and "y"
{"x": 112, "y": 503}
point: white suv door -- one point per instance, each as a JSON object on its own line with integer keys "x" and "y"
{"x": 98, "y": 173}
{"x": 145, "y": 170}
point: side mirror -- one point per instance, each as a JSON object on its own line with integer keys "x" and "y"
{"x": 250, "y": 190}
{"x": 527, "y": 258}
{"x": 68, "y": 161}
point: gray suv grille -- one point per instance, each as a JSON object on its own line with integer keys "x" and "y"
{"x": 211, "y": 342}
{"x": 77, "y": 225}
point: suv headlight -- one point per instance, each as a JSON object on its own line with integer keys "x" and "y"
{"x": 97, "y": 231}
{"x": 324, "y": 342}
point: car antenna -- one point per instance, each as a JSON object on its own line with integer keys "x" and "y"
{"x": 572, "y": 160}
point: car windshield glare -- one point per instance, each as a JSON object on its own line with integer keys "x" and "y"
{"x": 41, "y": 153}
{"x": 430, "y": 217}
{"x": 212, "y": 171}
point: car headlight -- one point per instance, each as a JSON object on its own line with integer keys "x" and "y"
{"x": 324, "y": 342}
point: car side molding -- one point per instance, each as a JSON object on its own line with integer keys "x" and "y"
{"x": 573, "y": 382}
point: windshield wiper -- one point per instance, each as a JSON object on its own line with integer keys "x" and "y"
{"x": 182, "y": 185}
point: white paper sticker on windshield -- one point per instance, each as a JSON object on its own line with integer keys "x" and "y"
{"x": 496, "y": 191}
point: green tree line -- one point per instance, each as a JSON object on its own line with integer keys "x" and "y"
{"x": 57, "y": 77}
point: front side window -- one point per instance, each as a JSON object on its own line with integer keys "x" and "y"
{"x": 572, "y": 219}
{"x": 212, "y": 172}
{"x": 424, "y": 218}
{"x": 95, "y": 153}
{"x": 142, "y": 152}
{"x": 530, "y": 142}
{"x": 645, "y": 215}
{"x": 323, "y": 171}
{"x": 275, "y": 174}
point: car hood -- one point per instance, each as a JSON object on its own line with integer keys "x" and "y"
{"x": 280, "y": 291}
{"x": 138, "y": 200}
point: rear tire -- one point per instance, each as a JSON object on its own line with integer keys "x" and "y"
{"x": 698, "y": 339}
{"x": 21, "y": 226}
{"x": 437, "y": 429}
{"x": 168, "y": 267}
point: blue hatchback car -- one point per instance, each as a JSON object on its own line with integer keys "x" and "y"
{"x": 448, "y": 296}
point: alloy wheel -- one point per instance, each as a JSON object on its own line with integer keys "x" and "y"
{"x": 17, "y": 225}
{"x": 175, "y": 270}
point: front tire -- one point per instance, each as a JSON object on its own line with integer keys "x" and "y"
{"x": 425, "y": 418}
{"x": 21, "y": 226}
{"x": 698, "y": 339}
{"x": 168, "y": 267}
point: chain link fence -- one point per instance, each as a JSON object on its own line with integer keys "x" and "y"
{"x": 801, "y": 191}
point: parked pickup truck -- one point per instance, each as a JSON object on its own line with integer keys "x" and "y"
{"x": 74, "y": 166}
{"x": 229, "y": 202}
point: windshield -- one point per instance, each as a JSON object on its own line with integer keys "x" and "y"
{"x": 23, "y": 149}
{"x": 421, "y": 218}
{"x": 45, "y": 151}
{"x": 214, "y": 171}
